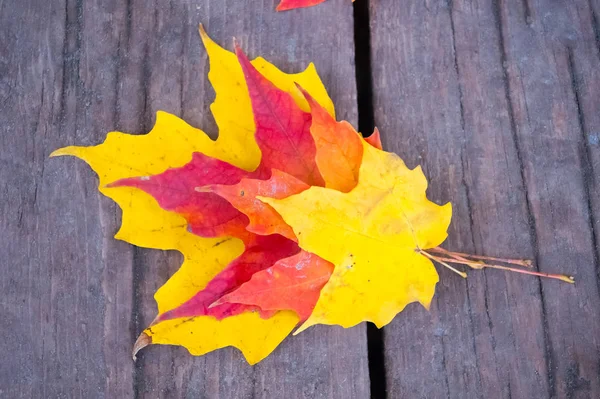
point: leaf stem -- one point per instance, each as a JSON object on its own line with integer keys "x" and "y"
{"x": 140, "y": 343}
{"x": 440, "y": 261}
{"x": 561, "y": 277}
{"x": 459, "y": 255}
{"x": 481, "y": 265}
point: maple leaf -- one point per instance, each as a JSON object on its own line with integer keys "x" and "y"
{"x": 171, "y": 144}
{"x": 373, "y": 235}
{"x": 292, "y": 283}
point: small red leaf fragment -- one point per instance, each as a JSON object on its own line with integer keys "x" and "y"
{"x": 265, "y": 252}
{"x": 291, "y": 4}
{"x": 292, "y": 283}
{"x": 375, "y": 139}
{"x": 263, "y": 218}
{"x": 282, "y": 128}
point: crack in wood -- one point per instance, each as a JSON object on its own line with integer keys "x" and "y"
{"x": 366, "y": 124}
{"x": 548, "y": 355}
{"x": 585, "y": 154}
{"x": 465, "y": 185}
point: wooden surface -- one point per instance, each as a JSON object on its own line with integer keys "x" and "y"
{"x": 498, "y": 100}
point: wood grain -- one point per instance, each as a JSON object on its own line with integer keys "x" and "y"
{"x": 497, "y": 99}
{"x": 540, "y": 67}
{"x": 483, "y": 97}
{"x": 75, "y": 297}
{"x": 66, "y": 284}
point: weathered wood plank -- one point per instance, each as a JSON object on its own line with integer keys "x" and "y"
{"x": 417, "y": 108}
{"x": 539, "y": 43}
{"x": 500, "y": 223}
{"x": 323, "y": 362}
{"x": 442, "y": 100}
{"x": 66, "y": 284}
{"x": 76, "y": 298}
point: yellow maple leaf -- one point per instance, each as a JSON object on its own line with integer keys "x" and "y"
{"x": 171, "y": 144}
{"x": 373, "y": 236}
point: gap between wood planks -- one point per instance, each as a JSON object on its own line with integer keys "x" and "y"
{"x": 366, "y": 124}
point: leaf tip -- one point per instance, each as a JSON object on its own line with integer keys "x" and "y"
{"x": 426, "y": 305}
{"x": 140, "y": 343}
{"x": 311, "y": 101}
{"x": 62, "y": 151}
{"x": 304, "y": 326}
{"x": 243, "y": 59}
{"x": 236, "y": 46}
{"x": 203, "y": 35}
{"x": 266, "y": 200}
{"x": 375, "y": 139}
{"x": 282, "y": 6}
{"x": 218, "y": 302}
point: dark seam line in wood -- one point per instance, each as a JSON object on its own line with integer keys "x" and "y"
{"x": 66, "y": 68}
{"x": 548, "y": 354}
{"x": 486, "y": 304}
{"x": 135, "y": 317}
{"x": 472, "y": 230}
{"x": 146, "y": 75}
{"x": 573, "y": 384}
{"x": 138, "y": 267}
{"x": 62, "y": 112}
{"x": 36, "y": 123}
{"x": 527, "y": 11}
{"x": 70, "y": 69}
{"x": 472, "y": 323}
{"x": 122, "y": 45}
{"x": 39, "y": 177}
{"x": 595, "y": 27}
{"x": 118, "y": 67}
{"x": 366, "y": 124}
{"x": 77, "y": 53}
{"x": 182, "y": 70}
{"x": 376, "y": 361}
{"x": 444, "y": 363}
{"x": 170, "y": 391}
{"x": 128, "y": 19}
{"x": 80, "y": 92}
{"x": 362, "y": 67}
{"x": 586, "y": 163}
{"x": 464, "y": 167}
